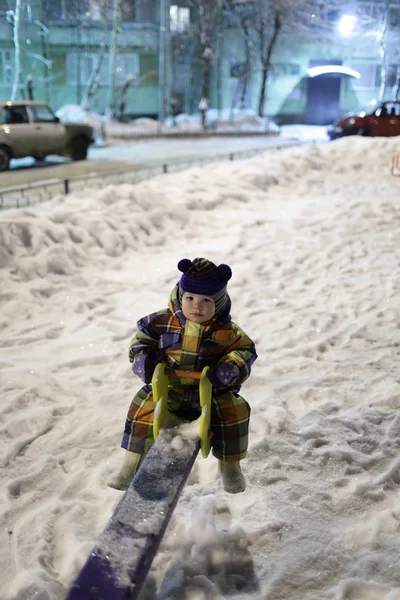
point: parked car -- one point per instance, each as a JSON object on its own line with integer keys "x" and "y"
{"x": 382, "y": 119}
{"x": 30, "y": 128}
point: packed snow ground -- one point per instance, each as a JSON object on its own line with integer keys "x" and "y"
{"x": 311, "y": 234}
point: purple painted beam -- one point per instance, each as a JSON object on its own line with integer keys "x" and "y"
{"x": 120, "y": 562}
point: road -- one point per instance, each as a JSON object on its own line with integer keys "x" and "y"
{"x": 117, "y": 156}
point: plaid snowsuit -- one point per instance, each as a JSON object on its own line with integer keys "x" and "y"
{"x": 167, "y": 336}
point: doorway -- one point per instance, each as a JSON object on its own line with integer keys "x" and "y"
{"x": 323, "y": 95}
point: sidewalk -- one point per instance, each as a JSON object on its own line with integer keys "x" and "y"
{"x": 305, "y": 133}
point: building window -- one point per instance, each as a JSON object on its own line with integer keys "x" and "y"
{"x": 373, "y": 11}
{"x": 84, "y": 63}
{"x": 145, "y": 10}
{"x": 285, "y": 69}
{"x": 4, "y": 6}
{"x": 370, "y": 74}
{"x": 179, "y": 18}
{"x": 238, "y": 69}
{"x": 367, "y": 70}
{"x": 6, "y": 66}
{"x": 391, "y": 74}
{"x": 394, "y": 16}
{"x": 128, "y": 11}
{"x": 67, "y": 10}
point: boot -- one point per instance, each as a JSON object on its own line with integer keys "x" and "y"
{"x": 122, "y": 478}
{"x": 233, "y": 480}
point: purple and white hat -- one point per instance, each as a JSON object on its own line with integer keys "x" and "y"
{"x": 201, "y": 276}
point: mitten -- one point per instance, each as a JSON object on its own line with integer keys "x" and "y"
{"x": 143, "y": 366}
{"x": 224, "y": 374}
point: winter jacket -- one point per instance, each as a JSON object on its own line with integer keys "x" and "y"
{"x": 167, "y": 336}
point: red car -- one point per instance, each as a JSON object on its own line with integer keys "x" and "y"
{"x": 379, "y": 120}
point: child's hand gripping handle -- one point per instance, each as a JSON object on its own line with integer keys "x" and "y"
{"x": 160, "y": 396}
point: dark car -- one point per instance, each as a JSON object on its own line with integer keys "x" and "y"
{"x": 381, "y": 119}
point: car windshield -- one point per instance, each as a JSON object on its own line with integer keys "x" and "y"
{"x": 368, "y": 108}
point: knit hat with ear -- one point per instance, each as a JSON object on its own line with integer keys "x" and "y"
{"x": 201, "y": 276}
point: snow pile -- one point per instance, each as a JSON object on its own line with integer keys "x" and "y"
{"x": 73, "y": 113}
{"x": 71, "y": 231}
{"x": 311, "y": 234}
{"x": 225, "y": 120}
{"x": 139, "y": 126}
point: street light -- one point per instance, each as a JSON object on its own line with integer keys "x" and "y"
{"x": 346, "y": 24}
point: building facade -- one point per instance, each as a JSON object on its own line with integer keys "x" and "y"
{"x": 145, "y": 57}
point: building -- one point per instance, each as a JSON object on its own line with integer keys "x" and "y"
{"x": 61, "y": 42}
{"x": 161, "y": 62}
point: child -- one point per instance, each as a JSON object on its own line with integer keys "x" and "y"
{"x": 195, "y": 331}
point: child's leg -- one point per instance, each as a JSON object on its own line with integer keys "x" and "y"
{"x": 137, "y": 439}
{"x": 230, "y": 416}
{"x": 138, "y": 433}
{"x": 138, "y": 436}
{"x": 122, "y": 478}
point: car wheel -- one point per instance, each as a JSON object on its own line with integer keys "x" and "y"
{"x": 4, "y": 158}
{"x": 79, "y": 148}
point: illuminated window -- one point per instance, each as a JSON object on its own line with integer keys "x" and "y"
{"x": 179, "y": 18}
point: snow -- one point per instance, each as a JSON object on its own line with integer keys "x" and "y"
{"x": 73, "y": 113}
{"x": 223, "y": 120}
{"x": 311, "y": 234}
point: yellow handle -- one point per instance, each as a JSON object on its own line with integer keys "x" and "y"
{"x": 205, "y": 389}
{"x": 159, "y": 384}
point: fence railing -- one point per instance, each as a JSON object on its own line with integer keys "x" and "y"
{"x": 44, "y": 191}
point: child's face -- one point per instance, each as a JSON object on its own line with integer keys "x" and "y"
{"x": 197, "y": 308}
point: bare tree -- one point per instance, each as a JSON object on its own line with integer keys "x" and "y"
{"x": 182, "y": 62}
{"x": 382, "y": 35}
{"x": 206, "y": 12}
{"x": 261, "y": 23}
{"x": 130, "y": 79}
{"x": 30, "y": 86}
{"x": 268, "y": 26}
{"x": 93, "y": 82}
{"x": 16, "y": 18}
{"x": 241, "y": 13}
{"x": 110, "y": 110}
{"x": 375, "y": 25}
{"x": 396, "y": 85}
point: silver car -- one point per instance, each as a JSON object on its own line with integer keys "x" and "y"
{"x": 30, "y": 128}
